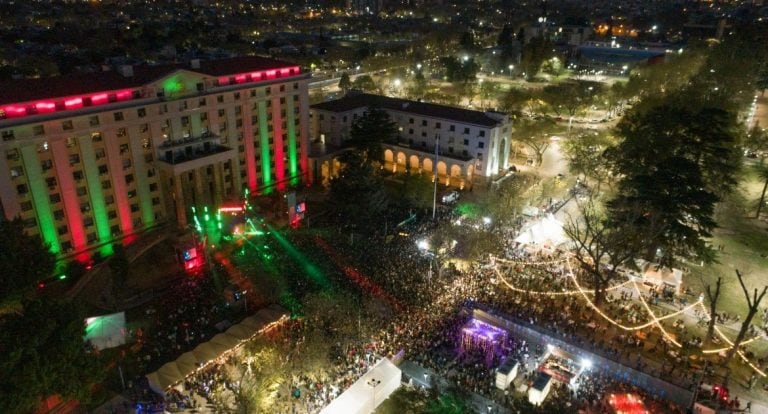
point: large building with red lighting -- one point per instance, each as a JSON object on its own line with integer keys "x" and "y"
{"x": 91, "y": 158}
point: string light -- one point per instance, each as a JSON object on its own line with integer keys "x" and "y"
{"x": 525, "y": 263}
{"x": 552, "y": 292}
{"x": 655, "y": 320}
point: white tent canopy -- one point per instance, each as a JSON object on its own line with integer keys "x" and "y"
{"x": 545, "y": 231}
{"x": 362, "y": 397}
{"x": 220, "y": 344}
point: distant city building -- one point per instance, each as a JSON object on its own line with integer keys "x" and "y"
{"x": 611, "y": 58}
{"x": 89, "y": 158}
{"x": 470, "y": 142}
{"x": 370, "y": 7}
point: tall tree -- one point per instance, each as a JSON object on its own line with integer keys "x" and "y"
{"x": 534, "y": 54}
{"x": 43, "y": 354}
{"x": 753, "y": 305}
{"x": 536, "y": 135}
{"x": 371, "y": 130}
{"x": 762, "y": 174}
{"x": 585, "y": 155}
{"x": 674, "y": 165}
{"x": 345, "y": 84}
{"x": 24, "y": 259}
{"x": 600, "y": 247}
{"x": 365, "y": 83}
{"x": 713, "y": 296}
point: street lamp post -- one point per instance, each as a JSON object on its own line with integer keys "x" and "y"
{"x": 434, "y": 168}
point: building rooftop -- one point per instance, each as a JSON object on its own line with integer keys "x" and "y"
{"x": 359, "y": 100}
{"x": 25, "y": 90}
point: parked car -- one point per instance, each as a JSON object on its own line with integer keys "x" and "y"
{"x": 450, "y": 197}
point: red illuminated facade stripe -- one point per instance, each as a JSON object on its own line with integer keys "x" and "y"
{"x": 69, "y": 194}
{"x": 259, "y": 76}
{"x": 17, "y": 110}
{"x": 277, "y": 128}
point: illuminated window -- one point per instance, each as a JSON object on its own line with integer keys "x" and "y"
{"x": 96, "y": 136}
{"x": 100, "y": 153}
{"x": 74, "y": 159}
{"x": 43, "y": 147}
{"x": 85, "y": 207}
{"x": 17, "y": 172}
{"x": 71, "y": 142}
{"x": 121, "y": 132}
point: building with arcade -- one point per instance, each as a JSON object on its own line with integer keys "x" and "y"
{"x": 91, "y": 158}
{"x": 468, "y": 143}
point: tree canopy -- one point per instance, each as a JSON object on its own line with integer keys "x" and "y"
{"x": 674, "y": 164}
{"x": 43, "y": 354}
{"x": 24, "y": 259}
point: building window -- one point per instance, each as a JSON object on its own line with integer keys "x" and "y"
{"x": 153, "y": 187}
{"x": 27, "y": 205}
{"x": 481, "y": 144}
{"x": 46, "y": 165}
{"x": 182, "y": 105}
{"x": 134, "y": 208}
{"x": 237, "y": 96}
{"x": 129, "y": 178}
{"x": 94, "y": 120}
{"x": 142, "y": 112}
{"x": 118, "y": 116}
{"x": 8, "y": 135}
{"x": 115, "y": 230}
{"x": 103, "y": 169}
{"x": 43, "y": 147}
{"x": 62, "y": 230}
{"x": 201, "y": 102}
{"x": 132, "y": 194}
{"x": 452, "y": 128}
{"x": 74, "y": 159}
{"x": 71, "y": 142}
{"x": 410, "y": 130}
{"x": 17, "y": 172}
{"x": 480, "y": 156}
{"x": 51, "y": 181}
{"x": 123, "y": 148}
{"x": 112, "y": 214}
{"x": 91, "y": 238}
{"x": 437, "y": 125}
{"x": 30, "y": 223}
{"x": 88, "y": 222}
{"x": 96, "y": 136}
{"x": 106, "y": 184}
{"x": 155, "y": 201}
{"x": 482, "y": 133}
{"x": 410, "y": 121}
{"x": 424, "y": 122}
{"x": 58, "y": 214}
{"x": 466, "y": 142}
{"x": 22, "y": 189}
{"x": 38, "y": 130}
{"x": 77, "y": 175}
{"x": 466, "y": 130}
{"x": 54, "y": 198}
{"x": 81, "y": 191}
{"x": 67, "y": 125}
{"x": 85, "y": 207}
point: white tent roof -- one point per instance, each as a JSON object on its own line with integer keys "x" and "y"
{"x": 361, "y": 397}
{"x": 546, "y": 231}
{"x": 188, "y": 362}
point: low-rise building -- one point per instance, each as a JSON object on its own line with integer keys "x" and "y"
{"x": 458, "y": 144}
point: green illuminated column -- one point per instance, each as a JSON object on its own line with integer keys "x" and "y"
{"x": 40, "y": 198}
{"x": 142, "y": 182}
{"x": 292, "y": 150}
{"x": 94, "y": 190}
{"x": 266, "y": 162}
